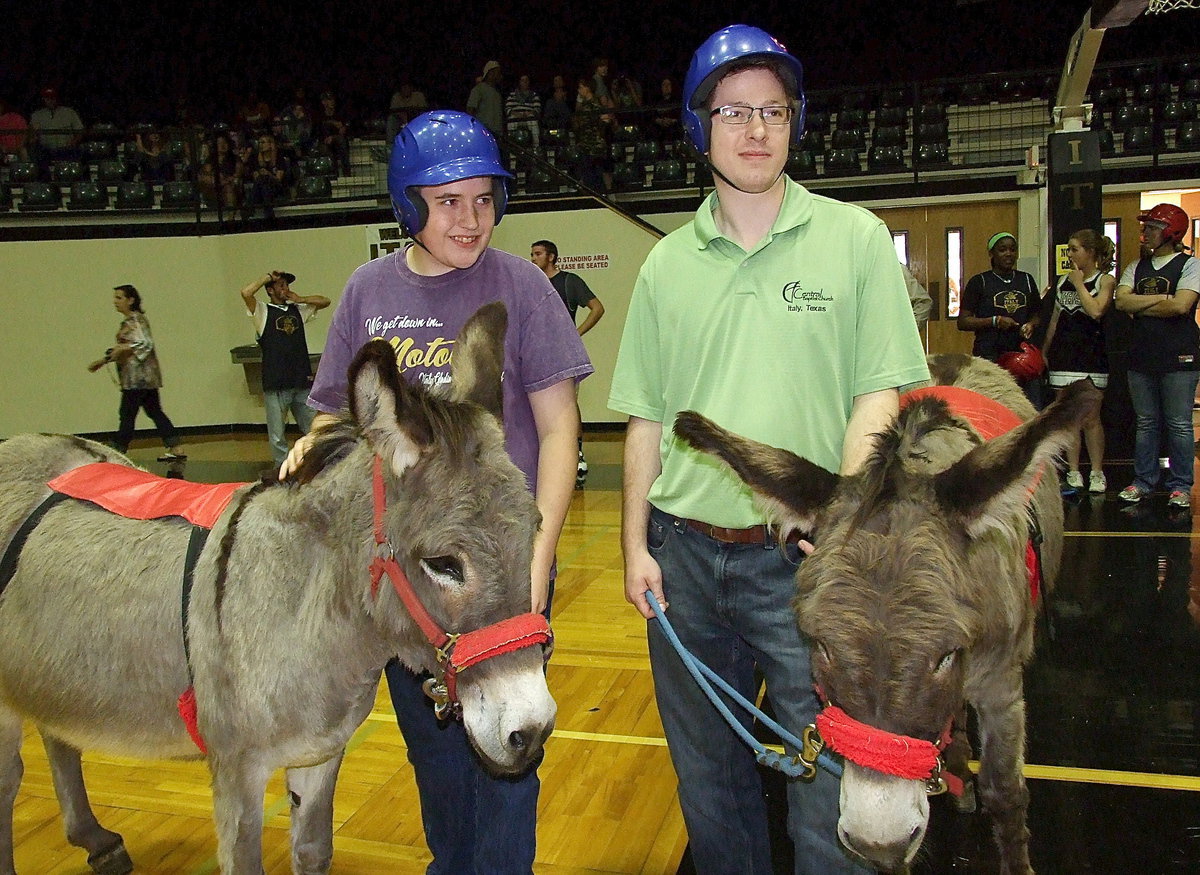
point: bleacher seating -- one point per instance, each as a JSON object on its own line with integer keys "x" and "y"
{"x": 86, "y": 195}
{"x": 626, "y": 176}
{"x": 134, "y": 195}
{"x": 932, "y": 154}
{"x": 840, "y": 162}
{"x": 314, "y": 188}
{"x": 22, "y": 173}
{"x": 848, "y": 138}
{"x": 813, "y": 141}
{"x": 1138, "y": 139}
{"x": 891, "y": 116}
{"x": 540, "y": 181}
{"x": 884, "y": 158}
{"x": 40, "y": 197}
{"x": 66, "y": 172}
{"x": 322, "y": 165}
{"x": 180, "y": 195}
{"x": 646, "y": 152}
{"x": 668, "y": 173}
{"x": 889, "y": 135}
{"x": 112, "y": 171}
{"x": 801, "y": 163}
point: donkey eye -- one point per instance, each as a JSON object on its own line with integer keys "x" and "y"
{"x": 947, "y": 660}
{"x": 445, "y": 569}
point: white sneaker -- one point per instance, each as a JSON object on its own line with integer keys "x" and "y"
{"x": 1096, "y": 482}
{"x": 1074, "y": 479}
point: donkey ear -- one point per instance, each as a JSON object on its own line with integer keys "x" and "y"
{"x": 477, "y": 367}
{"x": 390, "y": 411}
{"x": 791, "y": 489}
{"x": 990, "y": 484}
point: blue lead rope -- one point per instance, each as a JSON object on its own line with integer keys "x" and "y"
{"x": 800, "y": 766}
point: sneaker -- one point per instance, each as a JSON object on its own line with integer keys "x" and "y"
{"x": 1097, "y": 482}
{"x": 1179, "y": 499}
{"x": 1131, "y": 493}
{"x": 172, "y": 456}
{"x": 1074, "y": 479}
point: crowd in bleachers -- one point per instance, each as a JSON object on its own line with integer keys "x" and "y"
{"x": 602, "y": 128}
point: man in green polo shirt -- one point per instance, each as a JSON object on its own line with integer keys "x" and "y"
{"x": 782, "y": 316}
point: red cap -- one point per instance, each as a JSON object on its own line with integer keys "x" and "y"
{"x": 50, "y": 92}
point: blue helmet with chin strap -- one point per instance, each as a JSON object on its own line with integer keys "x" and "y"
{"x": 738, "y": 42}
{"x": 436, "y": 148}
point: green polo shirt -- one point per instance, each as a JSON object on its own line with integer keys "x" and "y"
{"x": 773, "y": 344}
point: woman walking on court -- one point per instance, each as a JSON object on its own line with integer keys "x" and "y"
{"x": 1074, "y": 344}
{"x": 140, "y": 375}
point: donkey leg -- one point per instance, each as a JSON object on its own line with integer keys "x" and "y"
{"x": 239, "y": 784}
{"x": 11, "y": 770}
{"x": 106, "y": 849}
{"x": 311, "y": 789}
{"x": 1002, "y": 779}
{"x": 957, "y": 757}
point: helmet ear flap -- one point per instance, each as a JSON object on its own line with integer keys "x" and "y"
{"x": 499, "y": 197}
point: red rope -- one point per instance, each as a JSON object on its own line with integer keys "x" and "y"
{"x": 873, "y": 748}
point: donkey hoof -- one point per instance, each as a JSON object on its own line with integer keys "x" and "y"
{"x": 113, "y": 860}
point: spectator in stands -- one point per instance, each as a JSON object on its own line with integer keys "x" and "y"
{"x": 254, "y": 115}
{"x": 406, "y": 105}
{"x": 591, "y": 125}
{"x": 55, "y": 131}
{"x": 599, "y": 83}
{"x": 153, "y": 157}
{"x": 13, "y": 132}
{"x": 556, "y": 114}
{"x": 666, "y": 116}
{"x": 523, "y": 109}
{"x": 294, "y": 130}
{"x": 269, "y": 173}
{"x": 331, "y": 133}
{"x": 921, "y": 302}
{"x": 222, "y": 172}
{"x": 484, "y": 101}
{"x": 627, "y": 99}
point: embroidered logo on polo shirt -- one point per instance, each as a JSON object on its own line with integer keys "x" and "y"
{"x": 800, "y": 300}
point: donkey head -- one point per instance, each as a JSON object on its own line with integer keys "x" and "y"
{"x": 892, "y": 598}
{"x": 462, "y": 521}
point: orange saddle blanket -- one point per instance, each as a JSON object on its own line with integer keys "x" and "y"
{"x": 140, "y": 495}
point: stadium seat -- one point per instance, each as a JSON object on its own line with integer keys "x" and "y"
{"x": 840, "y": 162}
{"x": 886, "y": 158}
{"x": 929, "y": 113}
{"x": 522, "y": 137}
{"x": 668, "y": 173}
{"x": 890, "y": 135}
{"x": 813, "y": 141}
{"x": 974, "y": 93}
{"x": 1153, "y": 92}
{"x": 22, "y": 173}
{"x": 852, "y": 118}
{"x": 97, "y": 150}
{"x": 321, "y": 165}
{"x": 314, "y": 188}
{"x": 646, "y": 152}
{"x": 627, "y": 176}
{"x": 40, "y": 196}
{"x": 1187, "y": 138}
{"x": 892, "y": 98}
{"x": 626, "y": 134}
{"x": 555, "y": 138}
{"x": 932, "y": 132}
{"x": 891, "y": 116}
{"x": 801, "y": 163}
{"x": 134, "y": 195}
{"x": 932, "y": 154}
{"x": 816, "y": 120}
{"x": 540, "y": 182}
{"x": 112, "y": 170}
{"x": 66, "y": 172}
{"x": 88, "y": 196}
{"x": 852, "y": 100}
{"x": 180, "y": 195}
{"x": 1129, "y": 116}
{"x": 1174, "y": 112}
{"x": 848, "y": 138}
{"x": 1138, "y": 140}
{"x": 1190, "y": 89}
{"x": 619, "y": 153}
{"x": 1107, "y": 146}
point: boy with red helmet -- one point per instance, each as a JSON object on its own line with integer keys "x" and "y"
{"x": 1160, "y": 292}
{"x": 783, "y": 316}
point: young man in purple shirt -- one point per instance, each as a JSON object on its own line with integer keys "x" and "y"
{"x": 447, "y": 184}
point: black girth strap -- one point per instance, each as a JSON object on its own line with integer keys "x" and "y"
{"x": 12, "y": 555}
{"x": 195, "y": 546}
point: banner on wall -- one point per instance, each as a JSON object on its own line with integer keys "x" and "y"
{"x": 383, "y": 240}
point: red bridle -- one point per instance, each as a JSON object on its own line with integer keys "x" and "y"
{"x": 887, "y": 752}
{"x": 456, "y": 651}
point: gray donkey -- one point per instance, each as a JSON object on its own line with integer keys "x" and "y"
{"x": 917, "y": 597}
{"x": 286, "y": 635}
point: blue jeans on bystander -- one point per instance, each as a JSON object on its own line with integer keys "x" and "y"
{"x": 1163, "y": 401}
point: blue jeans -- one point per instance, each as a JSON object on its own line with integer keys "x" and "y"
{"x": 1163, "y": 400}
{"x": 278, "y": 402}
{"x": 731, "y": 606}
{"x": 475, "y": 823}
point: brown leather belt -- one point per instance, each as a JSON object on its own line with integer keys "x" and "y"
{"x": 753, "y": 535}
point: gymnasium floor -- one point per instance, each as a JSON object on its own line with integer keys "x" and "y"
{"x": 1114, "y": 708}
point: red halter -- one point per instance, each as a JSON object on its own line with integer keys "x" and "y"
{"x": 455, "y": 651}
{"x": 887, "y": 752}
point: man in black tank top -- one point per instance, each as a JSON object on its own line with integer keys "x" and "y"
{"x": 286, "y": 372}
{"x": 1160, "y": 293}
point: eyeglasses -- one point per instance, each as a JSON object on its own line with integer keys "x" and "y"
{"x": 738, "y": 114}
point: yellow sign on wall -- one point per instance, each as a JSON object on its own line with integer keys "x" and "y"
{"x": 1064, "y": 263}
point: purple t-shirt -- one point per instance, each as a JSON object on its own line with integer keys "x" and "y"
{"x": 422, "y": 315}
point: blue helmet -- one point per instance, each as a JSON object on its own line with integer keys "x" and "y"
{"x": 436, "y": 148}
{"x": 738, "y": 42}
